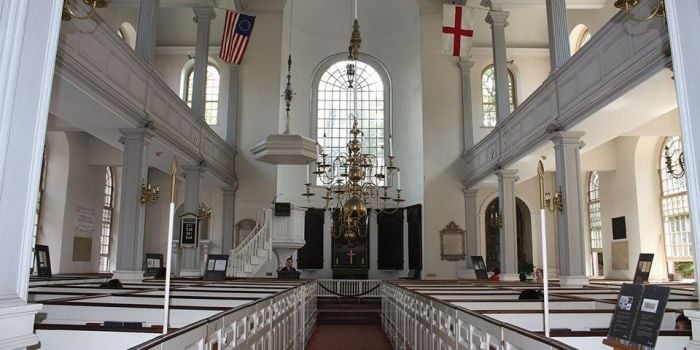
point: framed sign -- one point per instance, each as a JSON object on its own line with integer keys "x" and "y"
{"x": 43, "y": 262}
{"x": 452, "y": 242}
{"x": 189, "y": 231}
{"x": 216, "y": 267}
{"x": 479, "y": 267}
{"x": 641, "y": 275}
{"x": 153, "y": 264}
{"x": 283, "y": 209}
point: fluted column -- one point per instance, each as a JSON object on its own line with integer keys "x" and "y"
{"x": 465, "y": 66}
{"x": 572, "y": 262}
{"x": 683, "y": 25}
{"x": 229, "y": 219}
{"x": 147, "y": 30}
{"x": 232, "y": 115}
{"x": 29, "y": 40}
{"x": 497, "y": 20}
{"x": 471, "y": 220}
{"x": 203, "y": 16}
{"x": 558, "y": 29}
{"x": 508, "y": 231}
{"x": 190, "y": 257}
{"x": 131, "y": 211}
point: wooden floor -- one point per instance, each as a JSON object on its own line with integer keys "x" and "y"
{"x": 348, "y": 337}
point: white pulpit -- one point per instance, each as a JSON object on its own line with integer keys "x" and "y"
{"x": 287, "y": 234}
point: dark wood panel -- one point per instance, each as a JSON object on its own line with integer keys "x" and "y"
{"x": 352, "y": 254}
{"x": 390, "y": 240}
{"x": 310, "y": 256}
{"x": 414, "y": 219}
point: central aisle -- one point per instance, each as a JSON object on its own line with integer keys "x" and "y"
{"x": 351, "y": 337}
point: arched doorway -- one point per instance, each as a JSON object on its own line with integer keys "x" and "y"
{"x": 524, "y": 233}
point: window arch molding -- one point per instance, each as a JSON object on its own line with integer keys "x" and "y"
{"x": 188, "y": 69}
{"x": 373, "y": 62}
{"x": 513, "y": 84}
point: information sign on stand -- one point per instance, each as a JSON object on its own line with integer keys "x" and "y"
{"x": 189, "y": 231}
{"x": 641, "y": 275}
{"x": 216, "y": 267}
{"x": 480, "y": 267}
{"x": 43, "y": 262}
{"x": 638, "y": 315}
{"x": 154, "y": 263}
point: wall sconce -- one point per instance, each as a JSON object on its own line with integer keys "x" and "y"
{"x": 204, "y": 213}
{"x": 627, "y": 5}
{"x": 495, "y": 219}
{"x": 149, "y": 193}
{"x": 674, "y": 167}
{"x": 554, "y": 202}
{"x": 69, "y": 13}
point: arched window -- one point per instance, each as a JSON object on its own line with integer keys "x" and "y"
{"x": 579, "y": 36}
{"x": 674, "y": 205}
{"x": 211, "y": 94}
{"x": 335, "y": 109}
{"x": 107, "y": 208}
{"x": 488, "y": 95}
{"x": 595, "y": 225}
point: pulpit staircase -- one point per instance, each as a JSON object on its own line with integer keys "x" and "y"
{"x": 251, "y": 256}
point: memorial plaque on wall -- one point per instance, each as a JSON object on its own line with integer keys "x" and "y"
{"x": 620, "y": 255}
{"x": 189, "y": 230}
{"x": 641, "y": 275}
{"x": 82, "y": 249}
{"x": 480, "y": 267}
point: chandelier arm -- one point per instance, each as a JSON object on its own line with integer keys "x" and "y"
{"x": 75, "y": 15}
{"x": 651, "y": 15}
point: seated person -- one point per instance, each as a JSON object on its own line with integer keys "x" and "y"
{"x": 496, "y": 274}
{"x": 288, "y": 267}
{"x": 683, "y": 323}
{"x": 539, "y": 275}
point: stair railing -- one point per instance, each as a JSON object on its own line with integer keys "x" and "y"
{"x": 259, "y": 238}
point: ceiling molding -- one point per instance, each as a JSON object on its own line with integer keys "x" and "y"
{"x": 165, "y": 3}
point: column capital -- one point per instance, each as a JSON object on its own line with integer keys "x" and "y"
{"x": 194, "y": 169}
{"x": 497, "y": 18}
{"x": 228, "y": 191}
{"x": 470, "y": 192}
{"x": 136, "y": 134}
{"x": 567, "y": 137}
{"x": 465, "y": 65}
{"x": 507, "y": 174}
{"x": 203, "y": 13}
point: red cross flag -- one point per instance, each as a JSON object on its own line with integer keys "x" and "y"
{"x": 456, "y": 30}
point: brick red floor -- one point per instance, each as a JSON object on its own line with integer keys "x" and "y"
{"x": 348, "y": 337}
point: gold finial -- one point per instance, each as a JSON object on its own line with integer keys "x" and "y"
{"x": 173, "y": 174}
{"x": 540, "y": 176}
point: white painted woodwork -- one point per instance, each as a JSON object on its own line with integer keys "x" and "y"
{"x": 147, "y": 30}
{"x": 558, "y": 31}
{"x": 508, "y": 231}
{"x": 619, "y": 57}
{"x": 203, "y": 17}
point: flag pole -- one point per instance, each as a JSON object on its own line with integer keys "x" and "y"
{"x": 543, "y": 231}
{"x": 168, "y": 269}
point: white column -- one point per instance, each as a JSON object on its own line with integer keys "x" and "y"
{"x": 508, "y": 230}
{"x": 28, "y": 40}
{"x": 203, "y": 16}
{"x": 229, "y": 219}
{"x": 232, "y": 114}
{"x": 193, "y": 182}
{"x": 465, "y": 66}
{"x": 131, "y": 211}
{"x": 471, "y": 219}
{"x": 497, "y": 20}
{"x": 683, "y": 20}
{"x": 147, "y": 29}
{"x": 558, "y": 30}
{"x": 572, "y": 252}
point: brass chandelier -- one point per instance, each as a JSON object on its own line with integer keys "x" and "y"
{"x": 69, "y": 13}
{"x": 354, "y": 180}
{"x": 658, "y": 11}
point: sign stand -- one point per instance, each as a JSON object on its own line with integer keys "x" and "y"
{"x": 171, "y": 218}
{"x": 617, "y": 346}
{"x": 543, "y": 231}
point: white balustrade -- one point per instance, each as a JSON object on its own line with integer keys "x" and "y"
{"x": 254, "y": 251}
{"x": 413, "y": 321}
{"x": 360, "y": 288}
{"x": 285, "y": 321}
